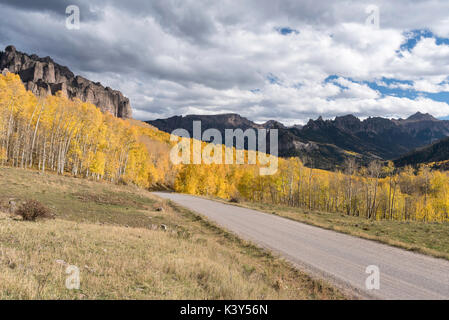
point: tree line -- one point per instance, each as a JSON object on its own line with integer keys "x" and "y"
{"x": 72, "y": 137}
{"x": 378, "y": 191}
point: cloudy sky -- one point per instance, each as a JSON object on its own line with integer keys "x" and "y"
{"x": 264, "y": 59}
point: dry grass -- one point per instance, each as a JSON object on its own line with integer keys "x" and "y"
{"x": 113, "y": 235}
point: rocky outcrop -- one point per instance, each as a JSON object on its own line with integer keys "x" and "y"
{"x": 385, "y": 138}
{"x": 43, "y": 76}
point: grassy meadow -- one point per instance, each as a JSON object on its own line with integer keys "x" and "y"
{"x": 129, "y": 244}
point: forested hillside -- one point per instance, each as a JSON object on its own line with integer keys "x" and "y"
{"x": 437, "y": 154}
{"x": 74, "y": 138}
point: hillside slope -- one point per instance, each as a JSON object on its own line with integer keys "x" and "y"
{"x": 436, "y": 152}
{"x": 115, "y": 236}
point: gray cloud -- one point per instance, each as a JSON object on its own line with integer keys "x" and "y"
{"x": 176, "y": 57}
{"x": 53, "y": 7}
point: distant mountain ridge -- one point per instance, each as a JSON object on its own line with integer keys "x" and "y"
{"x": 43, "y": 76}
{"x": 327, "y": 143}
{"x": 381, "y": 137}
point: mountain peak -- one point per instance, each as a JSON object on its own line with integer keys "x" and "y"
{"x": 349, "y": 118}
{"x": 273, "y": 124}
{"x": 421, "y": 116}
{"x": 348, "y": 122}
{"x": 10, "y": 48}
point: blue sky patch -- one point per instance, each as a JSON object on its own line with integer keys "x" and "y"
{"x": 273, "y": 79}
{"x": 414, "y": 36}
{"x": 390, "y": 87}
{"x": 286, "y": 30}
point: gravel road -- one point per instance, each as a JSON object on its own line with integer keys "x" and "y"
{"x": 339, "y": 258}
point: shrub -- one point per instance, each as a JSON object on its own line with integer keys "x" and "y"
{"x": 234, "y": 199}
{"x": 32, "y": 210}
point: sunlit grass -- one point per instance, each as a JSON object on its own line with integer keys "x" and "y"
{"x": 113, "y": 234}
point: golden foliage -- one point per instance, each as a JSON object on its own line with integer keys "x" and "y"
{"x": 72, "y": 137}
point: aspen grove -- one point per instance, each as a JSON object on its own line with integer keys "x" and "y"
{"x": 71, "y": 137}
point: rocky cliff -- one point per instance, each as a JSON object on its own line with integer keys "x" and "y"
{"x": 43, "y": 76}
